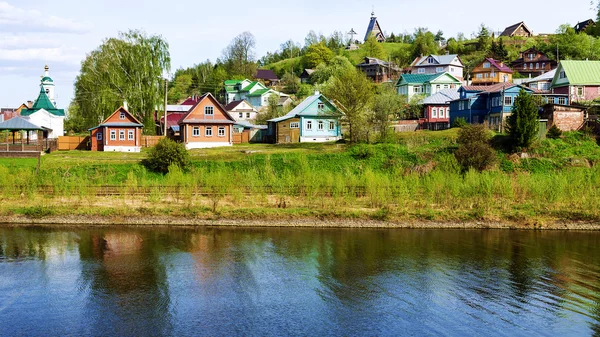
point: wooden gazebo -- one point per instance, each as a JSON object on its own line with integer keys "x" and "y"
{"x": 18, "y": 124}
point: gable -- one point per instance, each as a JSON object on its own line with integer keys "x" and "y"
{"x": 445, "y": 78}
{"x": 312, "y": 109}
{"x": 115, "y": 117}
{"x": 198, "y": 111}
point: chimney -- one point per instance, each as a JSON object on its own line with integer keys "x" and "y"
{"x": 125, "y": 105}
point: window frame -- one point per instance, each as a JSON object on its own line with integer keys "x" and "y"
{"x": 113, "y": 134}
{"x": 130, "y": 134}
{"x": 195, "y": 131}
{"x": 331, "y": 125}
{"x": 508, "y": 99}
{"x": 221, "y": 131}
{"x": 122, "y": 115}
{"x": 309, "y": 125}
{"x": 208, "y": 131}
{"x": 98, "y": 135}
{"x": 563, "y": 99}
{"x": 320, "y": 106}
{"x": 294, "y": 125}
{"x": 320, "y": 125}
{"x": 211, "y": 109}
{"x": 434, "y": 113}
{"x": 121, "y": 135}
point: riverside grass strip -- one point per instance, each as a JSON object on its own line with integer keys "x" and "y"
{"x": 417, "y": 178}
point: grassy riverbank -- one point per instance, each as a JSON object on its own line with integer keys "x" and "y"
{"x": 416, "y": 179}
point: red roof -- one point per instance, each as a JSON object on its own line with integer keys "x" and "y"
{"x": 489, "y": 88}
{"x": 232, "y": 105}
{"x": 499, "y": 65}
{"x": 265, "y": 74}
{"x": 191, "y": 100}
{"x": 172, "y": 119}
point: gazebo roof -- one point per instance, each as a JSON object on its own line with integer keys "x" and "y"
{"x": 18, "y": 123}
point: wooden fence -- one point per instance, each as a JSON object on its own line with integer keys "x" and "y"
{"x": 241, "y": 137}
{"x": 69, "y": 143}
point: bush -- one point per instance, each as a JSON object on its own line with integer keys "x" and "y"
{"x": 164, "y": 154}
{"x": 459, "y": 122}
{"x": 474, "y": 149}
{"x": 554, "y": 132}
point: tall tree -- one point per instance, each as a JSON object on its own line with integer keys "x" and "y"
{"x": 238, "y": 57}
{"x": 372, "y": 48}
{"x": 352, "y": 91}
{"x": 386, "y": 105}
{"x": 483, "y": 38}
{"x": 316, "y": 54}
{"x": 522, "y": 124}
{"x": 424, "y": 43}
{"x": 128, "y": 68}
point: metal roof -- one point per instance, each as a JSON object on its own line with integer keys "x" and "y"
{"x": 580, "y": 72}
{"x": 299, "y": 110}
{"x": 117, "y": 124}
{"x": 178, "y": 108}
{"x": 548, "y": 76}
{"x": 18, "y": 123}
{"x": 440, "y": 59}
{"x": 442, "y": 97}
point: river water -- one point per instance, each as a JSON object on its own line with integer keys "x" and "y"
{"x": 309, "y": 282}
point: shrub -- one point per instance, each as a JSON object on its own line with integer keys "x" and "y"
{"x": 459, "y": 122}
{"x": 554, "y": 132}
{"x": 361, "y": 151}
{"x": 474, "y": 149}
{"x": 522, "y": 125}
{"x": 164, "y": 154}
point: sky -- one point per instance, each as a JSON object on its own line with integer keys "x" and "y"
{"x": 60, "y": 33}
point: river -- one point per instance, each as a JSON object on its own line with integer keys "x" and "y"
{"x": 163, "y": 281}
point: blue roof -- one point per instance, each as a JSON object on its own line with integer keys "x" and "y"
{"x": 442, "y": 97}
{"x": 175, "y": 128}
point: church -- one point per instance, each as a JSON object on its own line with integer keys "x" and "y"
{"x": 43, "y": 112}
{"x": 375, "y": 29}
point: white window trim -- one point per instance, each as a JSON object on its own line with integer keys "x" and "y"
{"x": 121, "y": 115}
{"x": 130, "y": 134}
{"x": 113, "y": 134}
{"x": 320, "y": 125}
{"x": 294, "y": 125}
{"x": 308, "y": 125}
{"x": 331, "y": 125}
{"x": 221, "y": 131}
{"x": 211, "y": 109}
{"x": 434, "y": 113}
{"x": 122, "y": 133}
{"x": 207, "y": 130}
{"x": 508, "y": 98}
{"x": 194, "y": 133}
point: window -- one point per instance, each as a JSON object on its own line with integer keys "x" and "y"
{"x": 492, "y": 74}
{"x": 508, "y": 100}
{"x": 537, "y": 66}
{"x": 580, "y": 92}
{"x": 309, "y": 125}
{"x": 451, "y": 69}
{"x": 543, "y": 65}
{"x": 446, "y": 86}
{"x": 434, "y": 112}
{"x": 320, "y": 125}
{"x": 331, "y": 125}
{"x": 208, "y": 131}
{"x": 562, "y": 100}
{"x": 196, "y": 131}
{"x": 430, "y": 60}
{"x": 209, "y": 110}
{"x": 531, "y": 56}
{"x": 530, "y": 65}
{"x": 479, "y": 76}
{"x": 241, "y": 115}
{"x": 122, "y": 115}
{"x": 247, "y": 115}
{"x": 320, "y": 106}
{"x": 486, "y": 64}
{"x": 486, "y": 75}
{"x": 418, "y": 89}
{"x": 113, "y": 135}
{"x": 121, "y": 134}
{"x": 439, "y": 69}
{"x": 130, "y": 135}
{"x": 438, "y": 87}
{"x": 294, "y": 125}
{"x": 99, "y": 136}
{"x": 562, "y": 74}
{"x": 421, "y": 71}
{"x": 221, "y": 131}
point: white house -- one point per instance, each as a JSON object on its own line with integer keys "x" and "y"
{"x": 241, "y": 111}
{"x": 43, "y": 112}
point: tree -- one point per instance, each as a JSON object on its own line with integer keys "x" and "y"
{"x": 180, "y": 88}
{"x": 554, "y": 132}
{"x": 291, "y": 83}
{"x": 352, "y": 92}
{"x": 474, "y": 150}
{"x": 238, "y": 57}
{"x": 164, "y": 154}
{"x": 386, "y": 105}
{"x": 498, "y": 51}
{"x": 316, "y": 54}
{"x": 522, "y": 124}
{"x": 372, "y": 48}
{"x": 335, "y": 67}
{"x": 272, "y": 111}
{"x": 424, "y": 43}
{"x": 74, "y": 123}
{"x": 483, "y": 38}
{"x": 128, "y": 68}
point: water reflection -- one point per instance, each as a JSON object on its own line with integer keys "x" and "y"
{"x": 211, "y": 281}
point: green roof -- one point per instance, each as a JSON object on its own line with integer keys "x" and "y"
{"x": 252, "y": 85}
{"x": 579, "y": 72}
{"x": 232, "y": 82}
{"x": 422, "y": 78}
{"x": 43, "y": 102}
{"x": 47, "y": 79}
{"x": 258, "y": 93}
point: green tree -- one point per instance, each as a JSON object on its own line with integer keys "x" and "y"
{"x": 334, "y": 67}
{"x": 522, "y": 125}
{"x": 316, "y": 54}
{"x": 180, "y": 88}
{"x": 424, "y": 43}
{"x": 74, "y": 123}
{"x": 238, "y": 58}
{"x": 291, "y": 83}
{"x": 128, "y": 68}
{"x": 273, "y": 110}
{"x": 483, "y": 38}
{"x": 387, "y": 104}
{"x": 372, "y": 48}
{"x": 352, "y": 92}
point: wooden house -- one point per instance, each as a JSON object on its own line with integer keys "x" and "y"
{"x": 120, "y": 132}
{"x": 436, "y": 110}
{"x": 426, "y": 84}
{"x": 207, "y": 124}
{"x": 583, "y": 25}
{"x": 256, "y": 93}
{"x": 580, "y": 80}
{"x": 437, "y": 64}
{"x": 374, "y": 29}
{"x": 518, "y": 29}
{"x": 378, "y": 70}
{"x": 316, "y": 119}
{"x": 241, "y": 111}
{"x": 542, "y": 82}
{"x": 533, "y": 62}
{"x": 266, "y": 76}
{"x": 305, "y": 76}
{"x": 490, "y": 71}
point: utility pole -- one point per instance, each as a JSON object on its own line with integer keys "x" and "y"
{"x": 165, "y": 114}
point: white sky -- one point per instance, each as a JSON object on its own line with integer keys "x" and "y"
{"x": 60, "y": 32}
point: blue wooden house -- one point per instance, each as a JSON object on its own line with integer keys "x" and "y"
{"x": 316, "y": 119}
{"x": 493, "y": 103}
